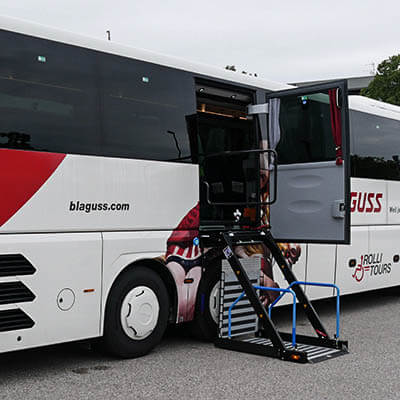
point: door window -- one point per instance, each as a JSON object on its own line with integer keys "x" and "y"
{"x": 306, "y": 132}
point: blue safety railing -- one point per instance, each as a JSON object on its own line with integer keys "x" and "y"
{"x": 288, "y": 290}
{"x": 315, "y": 284}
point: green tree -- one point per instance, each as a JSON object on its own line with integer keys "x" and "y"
{"x": 386, "y": 84}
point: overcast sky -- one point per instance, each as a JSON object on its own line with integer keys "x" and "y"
{"x": 284, "y": 40}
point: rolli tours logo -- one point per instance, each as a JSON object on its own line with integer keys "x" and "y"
{"x": 370, "y": 265}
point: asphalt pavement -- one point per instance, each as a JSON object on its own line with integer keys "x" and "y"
{"x": 183, "y": 368}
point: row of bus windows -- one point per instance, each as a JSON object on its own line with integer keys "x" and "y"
{"x": 55, "y": 97}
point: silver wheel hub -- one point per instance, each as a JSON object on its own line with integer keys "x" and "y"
{"x": 139, "y": 312}
{"x": 214, "y": 302}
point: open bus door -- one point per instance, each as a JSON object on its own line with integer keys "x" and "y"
{"x": 294, "y": 179}
{"x": 225, "y": 143}
{"x": 309, "y": 130}
{"x": 307, "y": 196}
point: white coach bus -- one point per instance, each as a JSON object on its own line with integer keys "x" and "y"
{"x": 104, "y": 171}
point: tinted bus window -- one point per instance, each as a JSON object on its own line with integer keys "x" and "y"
{"x": 375, "y": 146}
{"x": 307, "y": 135}
{"x": 144, "y": 109}
{"x": 48, "y": 100}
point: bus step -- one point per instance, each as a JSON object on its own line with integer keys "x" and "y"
{"x": 302, "y": 353}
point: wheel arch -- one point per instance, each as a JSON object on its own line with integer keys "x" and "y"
{"x": 169, "y": 281}
{"x": 153, "y": 264}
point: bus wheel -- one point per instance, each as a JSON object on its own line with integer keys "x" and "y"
{"x": 136, "y": 313}
{"x": 207, "y": 306}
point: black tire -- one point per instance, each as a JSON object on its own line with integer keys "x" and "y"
{"x": 115, "y": 341}
{"x": 204, "y": 326}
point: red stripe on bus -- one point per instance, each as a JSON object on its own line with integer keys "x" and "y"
{"x": 22, "y": 174}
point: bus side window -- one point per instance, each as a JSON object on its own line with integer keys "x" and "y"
{"x": 48, "y": 98}
{"x": 375, "y": 147}
{"x": 144, "y": 109}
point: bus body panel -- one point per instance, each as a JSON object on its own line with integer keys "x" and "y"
{"x": 321, "y": 262}
{"x": 381, "y": 266}
{"x": 372, "y": 252}
{"x": 86, "y": 193}
{"x": 369, "y": 201}
{"x": 393, "y": 203}
{"x": 346, "y": 275}
{"x": 373, "y": 238}
{"x": 66, "y": 284}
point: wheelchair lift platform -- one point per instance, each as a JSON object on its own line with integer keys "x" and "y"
{"x": 244, "y": 322}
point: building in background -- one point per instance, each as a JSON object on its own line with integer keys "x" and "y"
{"x": 355, "y": 84}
